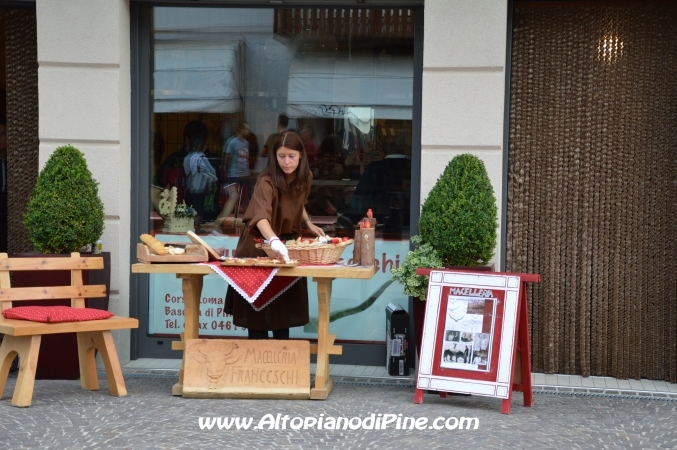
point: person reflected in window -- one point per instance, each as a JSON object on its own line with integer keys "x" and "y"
{"x": 236, "y": 160}
{"x": 282, "y": 125}
{"x": 213, "y": 154}
{"x": 253, "y": 149}
{"x": 384, "y": 187}
{"x": 332, "y": 155}
{"x": 356, "y": 161}
{"x": 200, "y": 174}
{"x": 354, "y": 140}
{"x": 328, "y": 166}
{"x": 307, "y": 135}
{"x": 170, "y": 173}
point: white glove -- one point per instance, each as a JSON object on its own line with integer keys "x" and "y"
{"x": 277, "y": 246}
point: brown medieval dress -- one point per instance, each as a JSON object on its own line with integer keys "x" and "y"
{"x": 284, "y": 210}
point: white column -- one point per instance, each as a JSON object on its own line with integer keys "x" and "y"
{"x": 84, "y": 100}
{"x": 464, "y": 53}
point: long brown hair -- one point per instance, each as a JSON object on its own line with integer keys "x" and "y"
{"x": 304, "y": 177}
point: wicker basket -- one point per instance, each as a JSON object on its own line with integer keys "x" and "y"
{"x": 311, "y": 254}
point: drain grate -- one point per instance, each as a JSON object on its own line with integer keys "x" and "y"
{"x": 606, "y": 393}
{"x": 384, "y": 382}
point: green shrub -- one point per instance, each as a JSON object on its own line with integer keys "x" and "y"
{"x": 64, "y": 212}
{"x": 459, "y": 217}
{"x": 423, "y": 255}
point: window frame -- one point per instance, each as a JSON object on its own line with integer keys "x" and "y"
{"x": 142, "y": 344}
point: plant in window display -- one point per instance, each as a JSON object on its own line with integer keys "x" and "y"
{"x": 183, "y": 210}
{"x": 177, "y": 218}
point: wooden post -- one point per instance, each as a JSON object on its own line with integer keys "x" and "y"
{"x": 192, "y": 290}
{"x": 323, "y": 383}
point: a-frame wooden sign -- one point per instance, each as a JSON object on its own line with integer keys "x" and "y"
{"x": 476, "y": 335}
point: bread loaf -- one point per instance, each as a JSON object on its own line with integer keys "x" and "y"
{"x": 157, "y": 246}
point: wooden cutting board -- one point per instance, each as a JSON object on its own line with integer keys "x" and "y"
{"x": 194, "y": 253}
{"x": 252, "y": 262}
{"x": 213, "y": 256}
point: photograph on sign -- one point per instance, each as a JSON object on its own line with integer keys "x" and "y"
{"x": 468, "y": 331}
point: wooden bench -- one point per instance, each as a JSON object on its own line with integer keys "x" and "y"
{"x": 23, "y": 337}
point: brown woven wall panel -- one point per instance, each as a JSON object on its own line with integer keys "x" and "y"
{"x": 22, "y": 121}
{"x": 592, "y": 190}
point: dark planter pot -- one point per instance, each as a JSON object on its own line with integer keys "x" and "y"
{"x": 419, "y": 306}
{"x": 419, "y": 318}
{"x": 58, "y": 357}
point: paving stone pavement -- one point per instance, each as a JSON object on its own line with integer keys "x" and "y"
{"x": 64, "y": 416}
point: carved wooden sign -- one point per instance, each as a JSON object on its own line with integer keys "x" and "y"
{"x": 230, "y": 368}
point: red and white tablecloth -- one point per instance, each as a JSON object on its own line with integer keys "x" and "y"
{"x": 258, "y": 285}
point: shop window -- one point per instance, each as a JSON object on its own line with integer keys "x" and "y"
{"x": 231, "y": 80}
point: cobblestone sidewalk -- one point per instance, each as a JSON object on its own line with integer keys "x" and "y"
{"x": 64, "y": 416}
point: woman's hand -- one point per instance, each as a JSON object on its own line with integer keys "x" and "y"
{"x": 305, "y": 220}
{"x": 277, "y": 246}
{"x": 317, "y": 231}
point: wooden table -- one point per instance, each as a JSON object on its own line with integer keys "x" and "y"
{"x": 192, "y": 277}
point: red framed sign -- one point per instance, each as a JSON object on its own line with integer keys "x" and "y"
{"x": 469, "y": 335}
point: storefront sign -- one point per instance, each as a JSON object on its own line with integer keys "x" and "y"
{"x": 226, "y": 368}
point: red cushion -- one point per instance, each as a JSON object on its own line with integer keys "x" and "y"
{"x": 54, "y": 314}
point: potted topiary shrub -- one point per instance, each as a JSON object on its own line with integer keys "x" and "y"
{"x": 459, "y": 221}
{"x": 64, "y": 214}
{"x": 459, "y": 218}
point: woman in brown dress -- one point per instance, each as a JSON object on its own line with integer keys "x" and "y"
{"x": 276, "y": 211}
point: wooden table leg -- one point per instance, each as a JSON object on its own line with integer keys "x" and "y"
{"x": 192, "y": 291}
{"x": 323, "y": 382}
